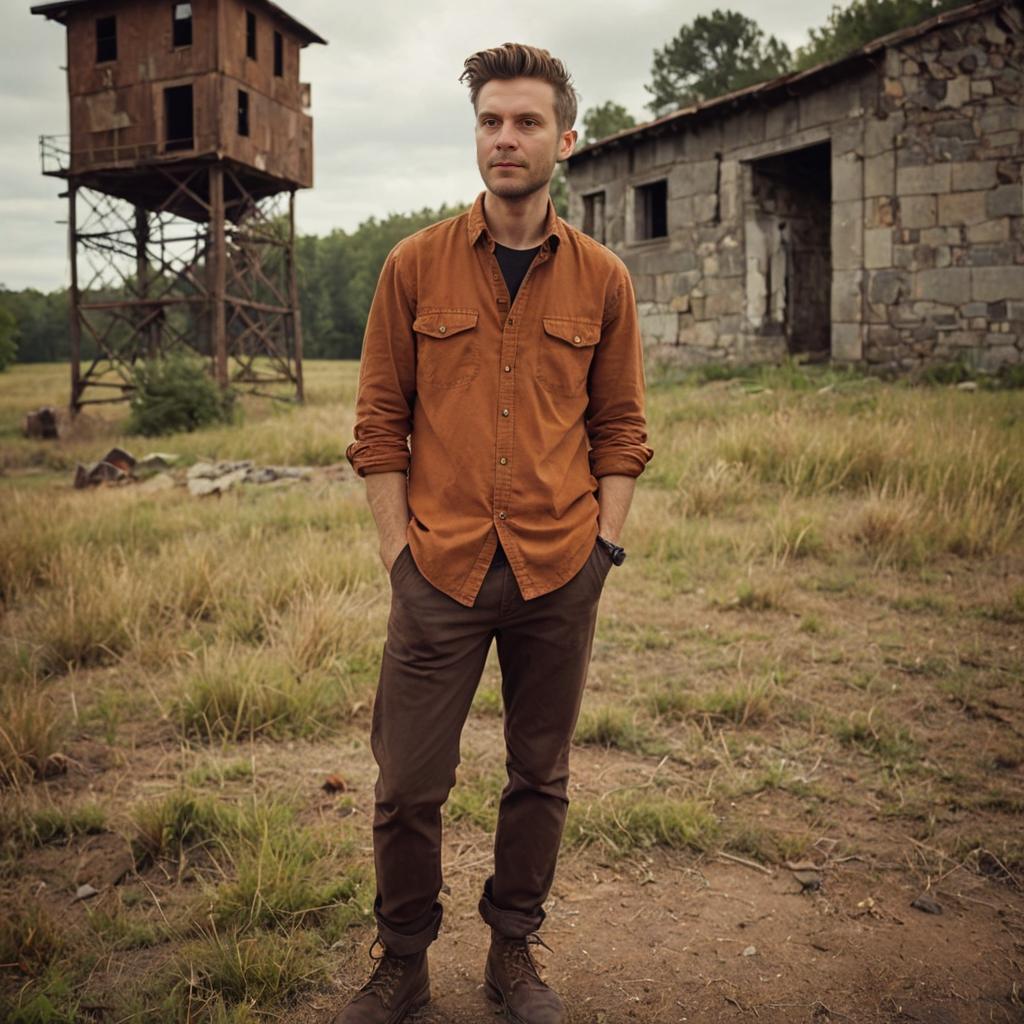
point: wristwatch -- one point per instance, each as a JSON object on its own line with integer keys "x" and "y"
{"x": 618, "y": 554}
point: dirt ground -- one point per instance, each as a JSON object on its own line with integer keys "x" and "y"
{"x": 660, "y": 936}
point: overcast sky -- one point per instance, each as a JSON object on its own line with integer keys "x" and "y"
{"x": 392, "y": 125}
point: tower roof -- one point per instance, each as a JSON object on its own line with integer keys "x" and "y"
{"x": 57, "y": 11}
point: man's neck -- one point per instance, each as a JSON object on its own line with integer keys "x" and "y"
{"x": 517, "y": 223}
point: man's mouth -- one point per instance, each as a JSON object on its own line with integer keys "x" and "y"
{"x": 507, "y": 164}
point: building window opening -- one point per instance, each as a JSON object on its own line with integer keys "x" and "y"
{"x": 593, "y": 216}
{"x": 182, "y": 25}
{"x": 178, "y": 117}
{"x": 243, "y": 112}
{"x": 106, "y": 39}
{"x": 250, "y": 34}
{"x": 278, "y": 54}
{"x": 651, "y": 213}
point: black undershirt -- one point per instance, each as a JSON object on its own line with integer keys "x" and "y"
{"x": 514, "y": 264}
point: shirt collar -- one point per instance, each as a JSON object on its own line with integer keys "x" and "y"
{"x": 554, "y": 229}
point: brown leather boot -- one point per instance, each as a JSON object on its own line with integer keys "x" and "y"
{"x": 511, "y": 980}
{"x": 398, "y": 985}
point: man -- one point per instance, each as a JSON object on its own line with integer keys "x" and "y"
{"x": 504, "y": 344}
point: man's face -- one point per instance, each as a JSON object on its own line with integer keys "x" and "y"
{"x": 518, "y": 139}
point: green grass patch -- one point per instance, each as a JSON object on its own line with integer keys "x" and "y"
{"x": 630, "y": 821}
{"x": 614, "y": 727}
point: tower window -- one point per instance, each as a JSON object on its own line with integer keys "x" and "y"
{"x": 106, "y": 39}
{"x": 178, "y": 127}
{"x": 243, "y": 112}
{"x": 181, "y": 27}
{"x": 278, "y": 54}
{"x": 250, "y": 34}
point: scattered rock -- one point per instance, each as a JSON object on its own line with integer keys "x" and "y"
{"x": 927, "y": 904}
{"x": 217, "y": 477}
{"x": 967, "y": 385}
{"x": 84, "y": 892}
{"x": 99, "y": 473}
{"x": 120, "y": 458}
{"x": 750, "y": 951}
{"x": 808, "y": 876}
{"x": 42, "y": 423}
{"x": 208, "y": 476}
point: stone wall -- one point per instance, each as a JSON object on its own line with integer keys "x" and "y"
{"x": 944, "y": 215}
{"x": 924, "y": 149}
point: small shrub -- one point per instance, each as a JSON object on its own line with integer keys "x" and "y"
{"x": 256, "y": 968}
{"x": 233, "y": 696}
{"x": 179, "y": 821}
{"x": 176, "y": 394}
{"x": 32, "y": 732}
{"x": 30, "y": 939}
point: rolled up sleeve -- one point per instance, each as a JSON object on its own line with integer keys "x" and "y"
{"x": 616, "y": 423}
{"x": 387, "y": 378}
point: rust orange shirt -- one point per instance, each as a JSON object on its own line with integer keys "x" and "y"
{"x": 511, "y": 412}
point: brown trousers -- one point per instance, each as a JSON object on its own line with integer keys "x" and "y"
{"x": 433, "y": 660}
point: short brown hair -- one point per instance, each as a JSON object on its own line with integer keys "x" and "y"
{"x": 517, "y": 60}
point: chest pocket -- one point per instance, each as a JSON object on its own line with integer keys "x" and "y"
{"x": 447, "y": 348}
{"x": 566, "y": 351}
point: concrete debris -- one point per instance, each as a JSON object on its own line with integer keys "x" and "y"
{"x": 217, "y": 477}
{"x": 208, "y": 476}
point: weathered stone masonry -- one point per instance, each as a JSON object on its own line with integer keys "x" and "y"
{"x": 870, "y": 211}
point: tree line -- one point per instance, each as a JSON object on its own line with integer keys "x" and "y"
{"x": 714, "y": 54}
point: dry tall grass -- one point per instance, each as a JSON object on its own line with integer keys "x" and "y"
{"x": 775, "y": 619}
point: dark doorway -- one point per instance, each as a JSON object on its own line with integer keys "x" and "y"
{"x": 178, "y": 117}
{"x": 792, "y": 271}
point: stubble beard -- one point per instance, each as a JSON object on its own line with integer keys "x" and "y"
{"x": 523, "y": 189}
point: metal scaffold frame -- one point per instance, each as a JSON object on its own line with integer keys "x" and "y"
{"x": 197, "y": 261}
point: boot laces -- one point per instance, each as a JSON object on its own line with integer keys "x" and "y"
{"x": 386, "y": 975}
{"x": 519, "y": 957}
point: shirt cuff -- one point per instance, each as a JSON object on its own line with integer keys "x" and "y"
{"x": 365, "y": 462}
{"x": 619, "y": 463}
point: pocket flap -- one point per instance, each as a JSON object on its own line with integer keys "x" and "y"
{"x": 580, "y": 333}
{"x": 443, "y": 323}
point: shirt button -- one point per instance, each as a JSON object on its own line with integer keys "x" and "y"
{"x": 501, "y": 515}
{"x": 504, "y": 412}
{"x": 503, "y": 460}
{"x": 576, "y": 341}
{"x": 442, "y": 329}
{"x": 508, "y": 369}
{"x": 511, "y": 322}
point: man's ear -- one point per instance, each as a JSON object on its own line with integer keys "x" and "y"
{"x": 567, "y": 144}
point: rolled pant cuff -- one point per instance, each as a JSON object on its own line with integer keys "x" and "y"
{"x": 407, "y": 943}
{"x": 513, "y": 924}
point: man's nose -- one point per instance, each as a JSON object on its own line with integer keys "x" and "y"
{"x": 507, "y": 137}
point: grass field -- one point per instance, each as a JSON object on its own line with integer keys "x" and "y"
{"x": 814, "y": 653}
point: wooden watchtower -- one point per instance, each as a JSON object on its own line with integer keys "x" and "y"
{"x": 188, "y": 140}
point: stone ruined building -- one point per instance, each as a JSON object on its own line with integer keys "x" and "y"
{"x": 869, "y": 211}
